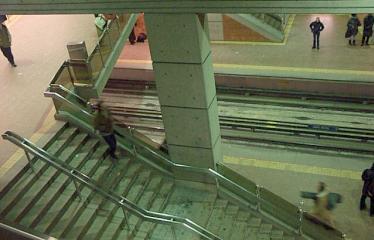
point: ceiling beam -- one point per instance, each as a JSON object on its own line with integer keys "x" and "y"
{"x": 185, "y": 6}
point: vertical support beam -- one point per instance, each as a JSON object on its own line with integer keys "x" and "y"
{"x": 182, "y": 62}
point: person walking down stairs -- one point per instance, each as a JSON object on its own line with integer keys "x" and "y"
{"x": 103, "y": 123}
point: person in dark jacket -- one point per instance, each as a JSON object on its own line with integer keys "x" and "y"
{"x": 5, "y": 44}
{"x": 352, "y": 29}
{"x": 316, "y": 27}
{"x": 368, "y": 189}
{"x": 103, "y": 123}
{"x": 368, "y": 29}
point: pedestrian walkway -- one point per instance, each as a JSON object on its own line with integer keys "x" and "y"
{"x": 294, "y": 58}
{"x": 39, "y": 48}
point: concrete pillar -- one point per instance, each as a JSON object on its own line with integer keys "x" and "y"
{"x": 182, "y": 62}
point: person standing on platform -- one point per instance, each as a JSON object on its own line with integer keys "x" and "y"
{"x": 316, "y": 27}
{"x": 368, "y": 29}
{"x": 352, "y": 29}
{"x": 6, "y": 41}
{"x": 103, "y": 123}
{"x": 368, "y": 189}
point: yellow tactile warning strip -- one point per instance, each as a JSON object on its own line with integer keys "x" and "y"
{"x": 286, "y": 34}
{"x": 47, "y": 124}
{"x": 267, "y": 68}
{"x": 293, "y": 69}
{"x": 299, "y": 168}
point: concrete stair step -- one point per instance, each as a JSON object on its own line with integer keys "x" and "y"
{"x": 276, "y": 235}
{"x": 228, "y": 222}
{"x": 133, "y": 176}
{"x": 80, "y": 222}
{"x": 117, "y": 175}
{"x": 33, "y": 195}
{"x": 63, "y": 140}
{"x": 217, "y": 216}
{"x": 59, "y": 200}
{"x": 110, "y": 231}
{"x": 70, "y": 209}
{"x": 240, "y": 227}
{"x": 254, "y": 222}
{"x": 158, "y": 205}
{"x": 266, "y": 228}
{"x": 92, "y": 203}
{"x": 25, "y": 182}
{"x": 146, "y": 201}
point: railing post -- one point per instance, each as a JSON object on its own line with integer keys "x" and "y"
{"x": 125, "y": 216}
{"x": 301, "y": 214}
{"x": 258, "y": 196}
{"x": 76, "y": 185}
{"x": 133, "y": 146}
{"x": 173, "y": 232}
{"x": 29, "y": 160}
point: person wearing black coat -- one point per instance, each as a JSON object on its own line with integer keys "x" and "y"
{"x": 352, "y": 29}
{"x": 316, "y": 27}
{"x": 368, "y": 189}
{"x": 368, "y": 29}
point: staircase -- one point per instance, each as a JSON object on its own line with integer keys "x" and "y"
{"x": 270, "y": 26}
{"x": 47, "y": 201}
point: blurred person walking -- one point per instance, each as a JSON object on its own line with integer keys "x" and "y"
{"x": 6, "y": 41}
{"x": 103, "y": 123}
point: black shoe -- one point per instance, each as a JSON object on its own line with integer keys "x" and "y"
{"x": 354, "y": 42}
{"x": 13, "y": 65}
{"x": 313, "y": 47}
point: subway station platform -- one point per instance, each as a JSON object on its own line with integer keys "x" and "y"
{"x": 295, "y": 58}
{"x": 39, "y": 48}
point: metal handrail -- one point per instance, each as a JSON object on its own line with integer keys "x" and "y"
{"x": 19, "y": 231}
{"x": 206, "y": 171}
{"x": 124, "y": 203}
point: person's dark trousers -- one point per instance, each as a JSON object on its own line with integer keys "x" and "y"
{"x": 7, "y": 51}
{"x": 132, "y": 37}
{"x": 372, "y": 206}
{"x": 365, "y": 39}
{"x": 316, "y": 40}
{"x": 111, "y": 140}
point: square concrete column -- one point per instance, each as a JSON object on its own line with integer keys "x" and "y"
{"x": 183, "y": 68}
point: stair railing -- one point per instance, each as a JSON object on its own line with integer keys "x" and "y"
{"x": 125, "y": 204}
{"x": 258, "y": 198}
{"x": 9, "y": 230}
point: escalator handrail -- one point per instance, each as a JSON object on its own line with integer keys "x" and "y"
{"x": 154, "y": 217}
